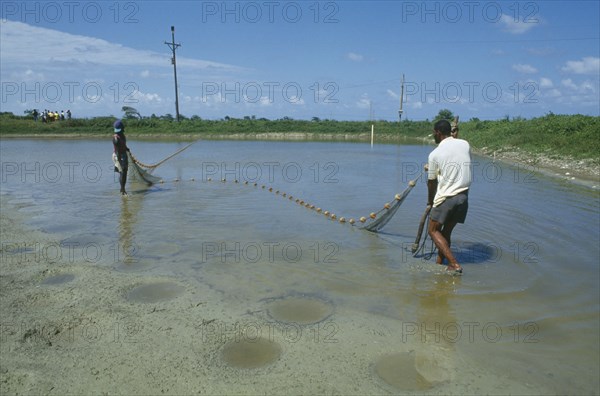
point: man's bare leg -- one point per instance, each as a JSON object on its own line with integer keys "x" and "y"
{"x": 442, "y": 242}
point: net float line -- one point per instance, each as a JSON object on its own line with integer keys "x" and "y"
{"x": 374, "y": 222}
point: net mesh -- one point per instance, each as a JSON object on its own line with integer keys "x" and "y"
{"x": 383, "y": 216}
{"x": 142, "y": 173}
{"x": 139, "y": 175}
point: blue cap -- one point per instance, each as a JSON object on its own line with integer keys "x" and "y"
{"x": 118, "y": 125}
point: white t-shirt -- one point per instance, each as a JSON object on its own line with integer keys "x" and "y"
{"x": 450, "y": 164}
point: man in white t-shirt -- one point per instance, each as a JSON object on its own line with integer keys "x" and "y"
{"x": 449, "y": 179}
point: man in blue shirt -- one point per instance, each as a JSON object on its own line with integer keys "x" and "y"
{"x": 120, "y": 154}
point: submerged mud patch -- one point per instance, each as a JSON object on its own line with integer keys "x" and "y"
{"x": 399, "y": 371}
{"x": 58, "y": 279}
{"x": 251, "y": 353}
{"x": 136, "y": 265}
{"x": 154, "y": 292}
{"x": 299, "y": 310}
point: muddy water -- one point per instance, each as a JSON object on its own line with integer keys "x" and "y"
{"x": 526, "y": 309}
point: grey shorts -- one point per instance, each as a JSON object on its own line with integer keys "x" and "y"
{"x": 453, "y": 209}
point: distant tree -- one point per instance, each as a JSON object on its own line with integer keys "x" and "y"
{"x": 167, "y": 117}
{"x": 131, "y": 113}
{"x": 316, "y": 119}
{"x": 444, "y": 114}
{"x": 196, "y": 118}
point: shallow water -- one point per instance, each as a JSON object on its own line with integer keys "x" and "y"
{"x": 529, "y": 296}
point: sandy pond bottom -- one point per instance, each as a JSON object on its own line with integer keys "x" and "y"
{"x": 83, "y": 329}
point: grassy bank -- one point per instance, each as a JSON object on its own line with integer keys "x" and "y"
{"x": 553, "y": 136}
{"x": 14, "y": 125}
{"x": 571, "y": 136}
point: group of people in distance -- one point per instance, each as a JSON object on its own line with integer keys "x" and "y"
{"x": 50, "y": 116}
{"x": 449, "y": 177}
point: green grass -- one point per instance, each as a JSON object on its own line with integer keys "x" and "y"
{"x": 574, "y": 136}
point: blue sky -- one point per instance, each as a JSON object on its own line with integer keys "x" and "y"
{"x": 330, "y": 59}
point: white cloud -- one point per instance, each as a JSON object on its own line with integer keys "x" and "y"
{"x": 588, "y": 65}
{"x": 554, "y": 93}
{"x": 295, "y": 100}
{"x": 586, "y": 87}
{"x": 516, "y": 26}
{"x": 393, "y": 94}
{"x": 546, "y": 83}
{"x": 21, "y": 46}
{"x": 325, "y": 96}
{"x": 568, "y": 83}
{"x": 27, "y": 76}
{"x": 265, "y": 101}
{"x": 56, "y": 67}
{"x": 151, "y": 97}
{"x": 363, "y": 103}
{"x": 354, "y": 57}
{"x": 525, "y": 69}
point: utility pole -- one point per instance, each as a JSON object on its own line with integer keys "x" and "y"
{"x": 173, "y": 47}
{"x": 401, "y": 99}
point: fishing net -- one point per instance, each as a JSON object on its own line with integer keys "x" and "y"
{"x": 382, "y": 217}
{"x": 373, "y": 223}
{"x": 137, "y": 174}
{"x": 142, "y": 173}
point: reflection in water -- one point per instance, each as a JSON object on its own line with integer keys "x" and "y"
{"x": 399, "y": 371}
{"x": 435, "y": 357}
{"x": 130, "y": 208}
{"x": 431, "y": 360}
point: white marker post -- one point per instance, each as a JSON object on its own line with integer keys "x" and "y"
{"x": 372, "y": 134}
